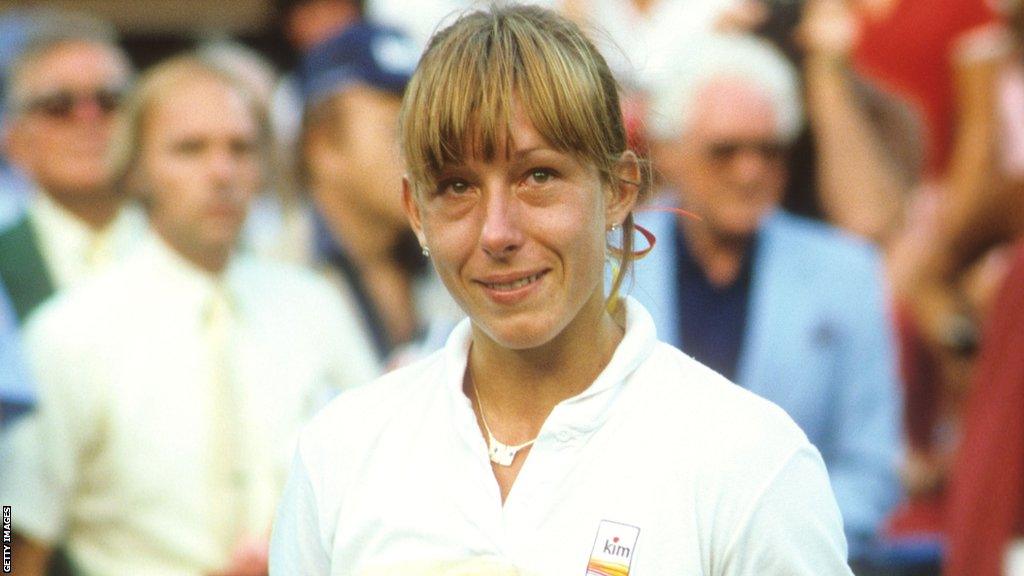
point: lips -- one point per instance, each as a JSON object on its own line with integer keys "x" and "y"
{"x": 515, "y": 284}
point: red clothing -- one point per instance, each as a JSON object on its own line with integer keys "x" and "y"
{"x": 912, "y": 52}
{"x": 921, "y": 517}
{"x": 986, "y": 493}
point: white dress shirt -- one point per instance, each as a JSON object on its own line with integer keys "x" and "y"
{"x": 72, "y": 250}
{"x": 660, "y": 467}
{"x": 123, "y": 429}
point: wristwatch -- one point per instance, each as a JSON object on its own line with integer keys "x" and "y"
{"x": 960, "y": 334}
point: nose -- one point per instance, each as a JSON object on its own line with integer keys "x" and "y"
{"x": 500, "y": 235}
{"x": 221, "y": 165}
{"x": 89, "y": 109}
{"x": 749, "y": 166}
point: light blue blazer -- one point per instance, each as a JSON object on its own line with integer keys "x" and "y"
{"x": 819, "y": 343}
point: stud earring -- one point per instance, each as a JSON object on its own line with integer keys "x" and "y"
{"x": 426, "y": 251}
{"x": 615, "y": 227}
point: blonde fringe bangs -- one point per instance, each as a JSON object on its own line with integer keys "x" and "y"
{"x": 461, "y": 101}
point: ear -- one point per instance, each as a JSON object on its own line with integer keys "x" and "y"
{"x": 322, "y": 156}
{"x": 623, "y": 194}
{"x": 14, "y": 142}
{"x": 412, "y": 210}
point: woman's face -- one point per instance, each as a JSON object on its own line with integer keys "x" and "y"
{"x": 519, "y": 241}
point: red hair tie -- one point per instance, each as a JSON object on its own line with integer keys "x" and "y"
{"x": 648, "y": 235}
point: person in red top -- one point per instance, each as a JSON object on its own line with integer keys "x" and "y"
{"x": 944, "y": 58}
{"x": 934, "y": 53}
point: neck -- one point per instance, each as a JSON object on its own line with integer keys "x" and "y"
{"x": 519, "y": 388}
{"x": 720, "y": 256}
{"x": 213, "y": 260}
{"x": 370, "y": 245}
{"x": 96, "y": 210}
{"x": 367, "y": 241}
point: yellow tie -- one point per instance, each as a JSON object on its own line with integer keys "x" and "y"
{"x": 228, "y": 477}
{"x": 99, "y": 252}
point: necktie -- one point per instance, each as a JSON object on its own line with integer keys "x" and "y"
{"x": 228, "y": 475}
{"x": 99, "y": 252}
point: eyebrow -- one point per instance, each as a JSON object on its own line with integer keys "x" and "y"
{"x": 523, "y": 153}
{"x": 517, "y": 156}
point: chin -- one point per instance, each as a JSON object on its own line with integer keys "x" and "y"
{"x": 518, "y": 334}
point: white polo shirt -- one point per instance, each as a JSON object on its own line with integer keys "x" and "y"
{"x": 661, "y": 467}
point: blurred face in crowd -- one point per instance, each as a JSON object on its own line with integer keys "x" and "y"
{"x": 313, "y": 21}
{"x": 729, "y": 165}
{"x": 63, "y": 116}
{"x": 200, "y": 167}
{"x": 357, "y": 157}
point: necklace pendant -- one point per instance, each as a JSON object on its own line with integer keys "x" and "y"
{"x": 501, "y": 454}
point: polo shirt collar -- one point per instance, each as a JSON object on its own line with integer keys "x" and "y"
{"x": 576, "y": 416}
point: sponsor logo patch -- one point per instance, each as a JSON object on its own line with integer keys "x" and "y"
{"x": 613, "y": 549}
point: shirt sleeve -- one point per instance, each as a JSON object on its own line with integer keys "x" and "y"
{"x": 976, "y": 32}
{"x": 42, "y": 452}
{"x": 792, "y": 527}
{"x": 295, "y": 544}
{"x": 351, "y": 355}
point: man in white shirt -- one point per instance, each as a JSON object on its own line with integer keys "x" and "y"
{"x": 172, "y": 386}
{"x": 63, "y": 89}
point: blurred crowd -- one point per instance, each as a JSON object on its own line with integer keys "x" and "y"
{"x": 197, "y": 255}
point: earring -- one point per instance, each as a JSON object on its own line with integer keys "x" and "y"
{"x": 615, "y": 227}
{"x": 426, "y": 251}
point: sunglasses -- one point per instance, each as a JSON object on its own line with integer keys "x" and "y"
{"x": 61, "y": 105}
{"x": 725, "y": 151}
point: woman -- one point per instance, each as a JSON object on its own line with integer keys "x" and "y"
{"x": 608, "y": 451}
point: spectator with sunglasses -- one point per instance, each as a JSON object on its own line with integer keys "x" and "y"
{"x": 788, "y": 308}
{"x": 62, "y": 91}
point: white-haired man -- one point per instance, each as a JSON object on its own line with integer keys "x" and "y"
{"x": 790, "y": 309}
{"x": 64, "y": 87}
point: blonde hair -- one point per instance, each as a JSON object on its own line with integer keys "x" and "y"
{"x": 460, "y": 99}
{"x": 126, "y": 142}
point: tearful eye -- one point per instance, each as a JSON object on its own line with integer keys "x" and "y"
{"x": 458, "y": 187}
{"x": 453, "y": 187}
{"x": 541, "y": 176}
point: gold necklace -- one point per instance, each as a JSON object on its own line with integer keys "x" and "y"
{"x": 500, "y": 453}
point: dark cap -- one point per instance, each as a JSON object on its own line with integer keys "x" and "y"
{"x": 364, "y": 53}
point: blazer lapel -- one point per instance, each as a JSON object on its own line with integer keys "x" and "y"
{"x": 655, "y": 284}
{"x": 23, "y": 269}
{"x": 767, "y": 275}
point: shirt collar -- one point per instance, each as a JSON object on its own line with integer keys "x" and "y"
{"x": 582, "y": 413}
{"x": 187, "y": 282}
{"x": 69, "y": 243}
